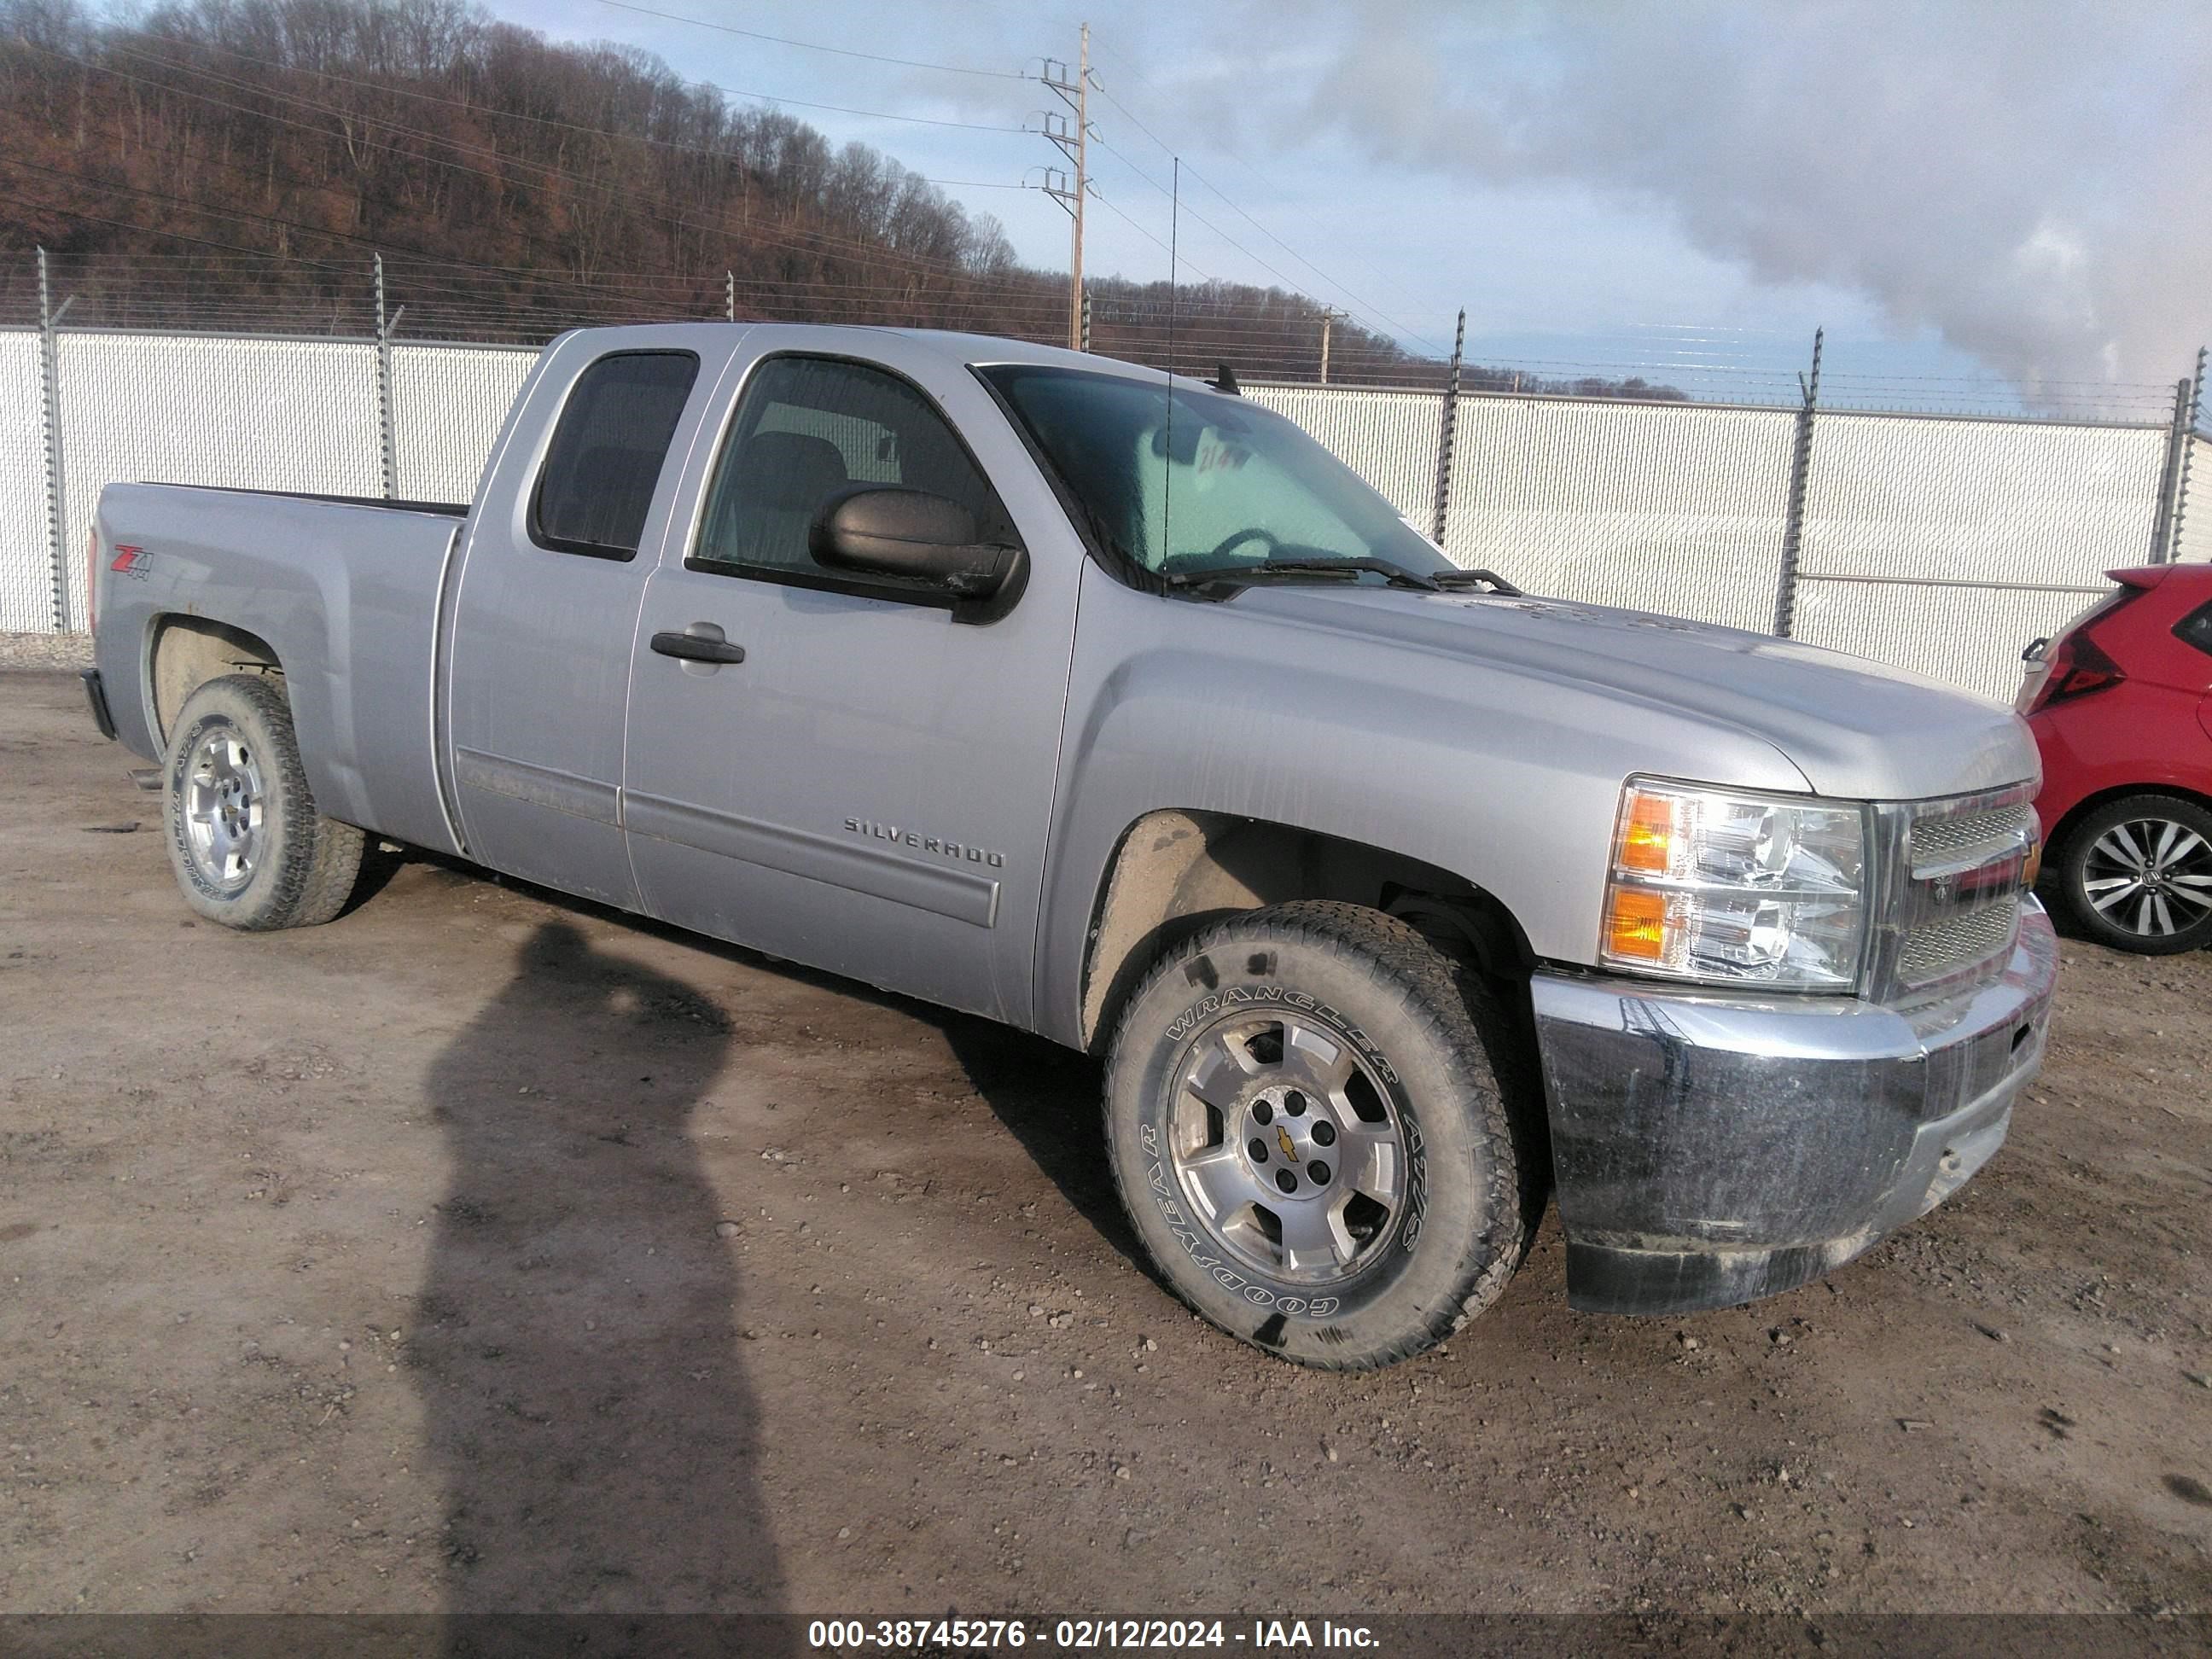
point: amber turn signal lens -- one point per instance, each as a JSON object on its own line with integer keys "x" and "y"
{"x": 2032, "y": 868}
{"x": 1636, "y": 925}
{"x": 1647, "y": 838}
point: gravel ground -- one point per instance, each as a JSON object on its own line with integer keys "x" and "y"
{"x": 483, "y": 1251}
{"x": 69, "y": 651}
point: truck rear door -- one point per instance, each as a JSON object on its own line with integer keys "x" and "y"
{"x": 547, "y": 604}
{"x": 867, "y": 788}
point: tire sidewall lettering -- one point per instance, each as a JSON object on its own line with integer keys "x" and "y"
{"x": 1282, "y": 996}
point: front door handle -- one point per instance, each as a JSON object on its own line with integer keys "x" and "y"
{"x": 697, "y": 647}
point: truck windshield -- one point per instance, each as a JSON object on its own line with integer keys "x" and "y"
{"x": 1208, "y": 482}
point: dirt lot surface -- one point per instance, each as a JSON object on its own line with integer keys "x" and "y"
{"x": 481, "y": 1251}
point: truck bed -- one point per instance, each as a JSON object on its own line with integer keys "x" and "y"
{"x": 345, "y": 592}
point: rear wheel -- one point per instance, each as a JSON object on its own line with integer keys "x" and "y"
{"x": 1307, "y": 1114}
{"x": 248, "y": 847}
{"x": 2137, "y": 873}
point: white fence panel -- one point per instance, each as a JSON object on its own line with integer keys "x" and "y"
{"x": 447, "y": 403}
{"x": 1968, "y": 637}
{"x": 1926, "y": 501}
{"x": 255, "y": 414}
{"x": 26, "y": 583}
{"x": 1980, "y": 500}
{"x": 1389, "y": 438}
{"x": 2197, "y": 508}
{"x": 1664, "y": 506}
{"x": 1657, "y": 507}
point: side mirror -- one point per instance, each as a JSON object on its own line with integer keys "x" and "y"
{"x": 883, "y": 531}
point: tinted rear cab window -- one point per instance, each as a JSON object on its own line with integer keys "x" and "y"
{"x": 596, "y": 485}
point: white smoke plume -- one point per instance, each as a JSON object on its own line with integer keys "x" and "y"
{"x": 2032, "y": 179}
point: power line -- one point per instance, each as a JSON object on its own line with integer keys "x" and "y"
{"x": 1286, "y": 282}
{"x": 814, "y": 45}
{"x": 1168, "y": 149}
{"x": 1181, "y": 258}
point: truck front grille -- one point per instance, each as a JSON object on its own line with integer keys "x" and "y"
{"x": 1957, "y": 867}
{"x": 1969, "y": 837}
{"x": 1962, "y": 941}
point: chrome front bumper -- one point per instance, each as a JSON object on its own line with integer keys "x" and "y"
{"x": 1709, "y": 1150}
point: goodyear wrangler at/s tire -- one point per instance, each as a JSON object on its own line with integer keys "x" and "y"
{"x": 249, "y": 849}
{"x": 1305, "y": 1120}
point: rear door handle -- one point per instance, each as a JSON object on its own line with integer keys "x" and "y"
{"x": 697, "y": 647}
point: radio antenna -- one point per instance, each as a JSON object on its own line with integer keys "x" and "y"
{"x": 1167, "y": 461}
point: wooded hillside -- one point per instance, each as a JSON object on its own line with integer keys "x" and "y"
{"x": 236, "y": 163}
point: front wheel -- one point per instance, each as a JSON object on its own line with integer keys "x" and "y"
{"x": 2136, "y": 874}
{"x": 1307, "y": 1111}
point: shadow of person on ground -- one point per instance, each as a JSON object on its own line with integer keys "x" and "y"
{"x": 1045, "y": 1096}
{"x": 576, "y": 1335}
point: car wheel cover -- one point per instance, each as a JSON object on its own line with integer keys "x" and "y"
{"x": 1289, "y": 1148}
{"x": 2149, "y": 877}
{"x": 225, "y": 808}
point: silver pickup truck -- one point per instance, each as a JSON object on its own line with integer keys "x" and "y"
{"x": 1115, "y": 709}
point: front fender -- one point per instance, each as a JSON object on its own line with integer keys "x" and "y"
{"x": 1507, "y": 780}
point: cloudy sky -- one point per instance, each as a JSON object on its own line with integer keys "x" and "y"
{"x": 2009, "y": 188}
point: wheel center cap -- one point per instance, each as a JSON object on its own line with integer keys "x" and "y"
{"x": 1288, "y": 1141}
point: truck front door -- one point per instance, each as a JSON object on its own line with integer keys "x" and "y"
{"x": 860, "y": 783}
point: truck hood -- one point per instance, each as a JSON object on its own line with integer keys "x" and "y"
{"x": 1854, "y": 728}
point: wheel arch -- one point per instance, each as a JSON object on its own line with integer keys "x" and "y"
{"x": 2062, "y": 831}
{"x": 185, "y": 652}
{"x": 1175, "y": 871}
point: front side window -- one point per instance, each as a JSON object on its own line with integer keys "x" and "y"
{"x": 596, "y": 485}
{"x": 1204, "y": 481}
{"x": 810, "y": 427}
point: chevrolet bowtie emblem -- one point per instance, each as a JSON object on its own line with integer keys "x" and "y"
{"x": 1283, "y": 1139}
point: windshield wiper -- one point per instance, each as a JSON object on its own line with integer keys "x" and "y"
{"x": 1490, "y": 578}
{"x": 1266, "y": 569}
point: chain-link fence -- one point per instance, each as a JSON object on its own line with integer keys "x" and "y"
{"x": 1661, "y": 507}
{"x": 1942, "y": 544}
{"x": 1937, "y": 543}
{"x": 26, "y": 556}
{"x": 447, "y": 403}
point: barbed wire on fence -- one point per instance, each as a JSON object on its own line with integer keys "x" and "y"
{"x": 1188, "y": 330}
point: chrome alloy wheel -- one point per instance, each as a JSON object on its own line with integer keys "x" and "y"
{"x": 1288, "y": 1147}
{"x": 2149, "y": 877}
{"x": 224, "y": 805}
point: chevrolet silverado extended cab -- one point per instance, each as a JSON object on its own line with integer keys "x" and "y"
{"x": 1114, "y": 708}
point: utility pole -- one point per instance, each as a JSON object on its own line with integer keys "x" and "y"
{"x": 1328, "y": 316}
{"x": 1075, "y": 145}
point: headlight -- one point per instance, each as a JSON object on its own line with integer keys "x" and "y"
{"x": 1711, "y": 885}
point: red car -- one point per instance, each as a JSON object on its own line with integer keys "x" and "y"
{"x": 2121, "y": 704}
